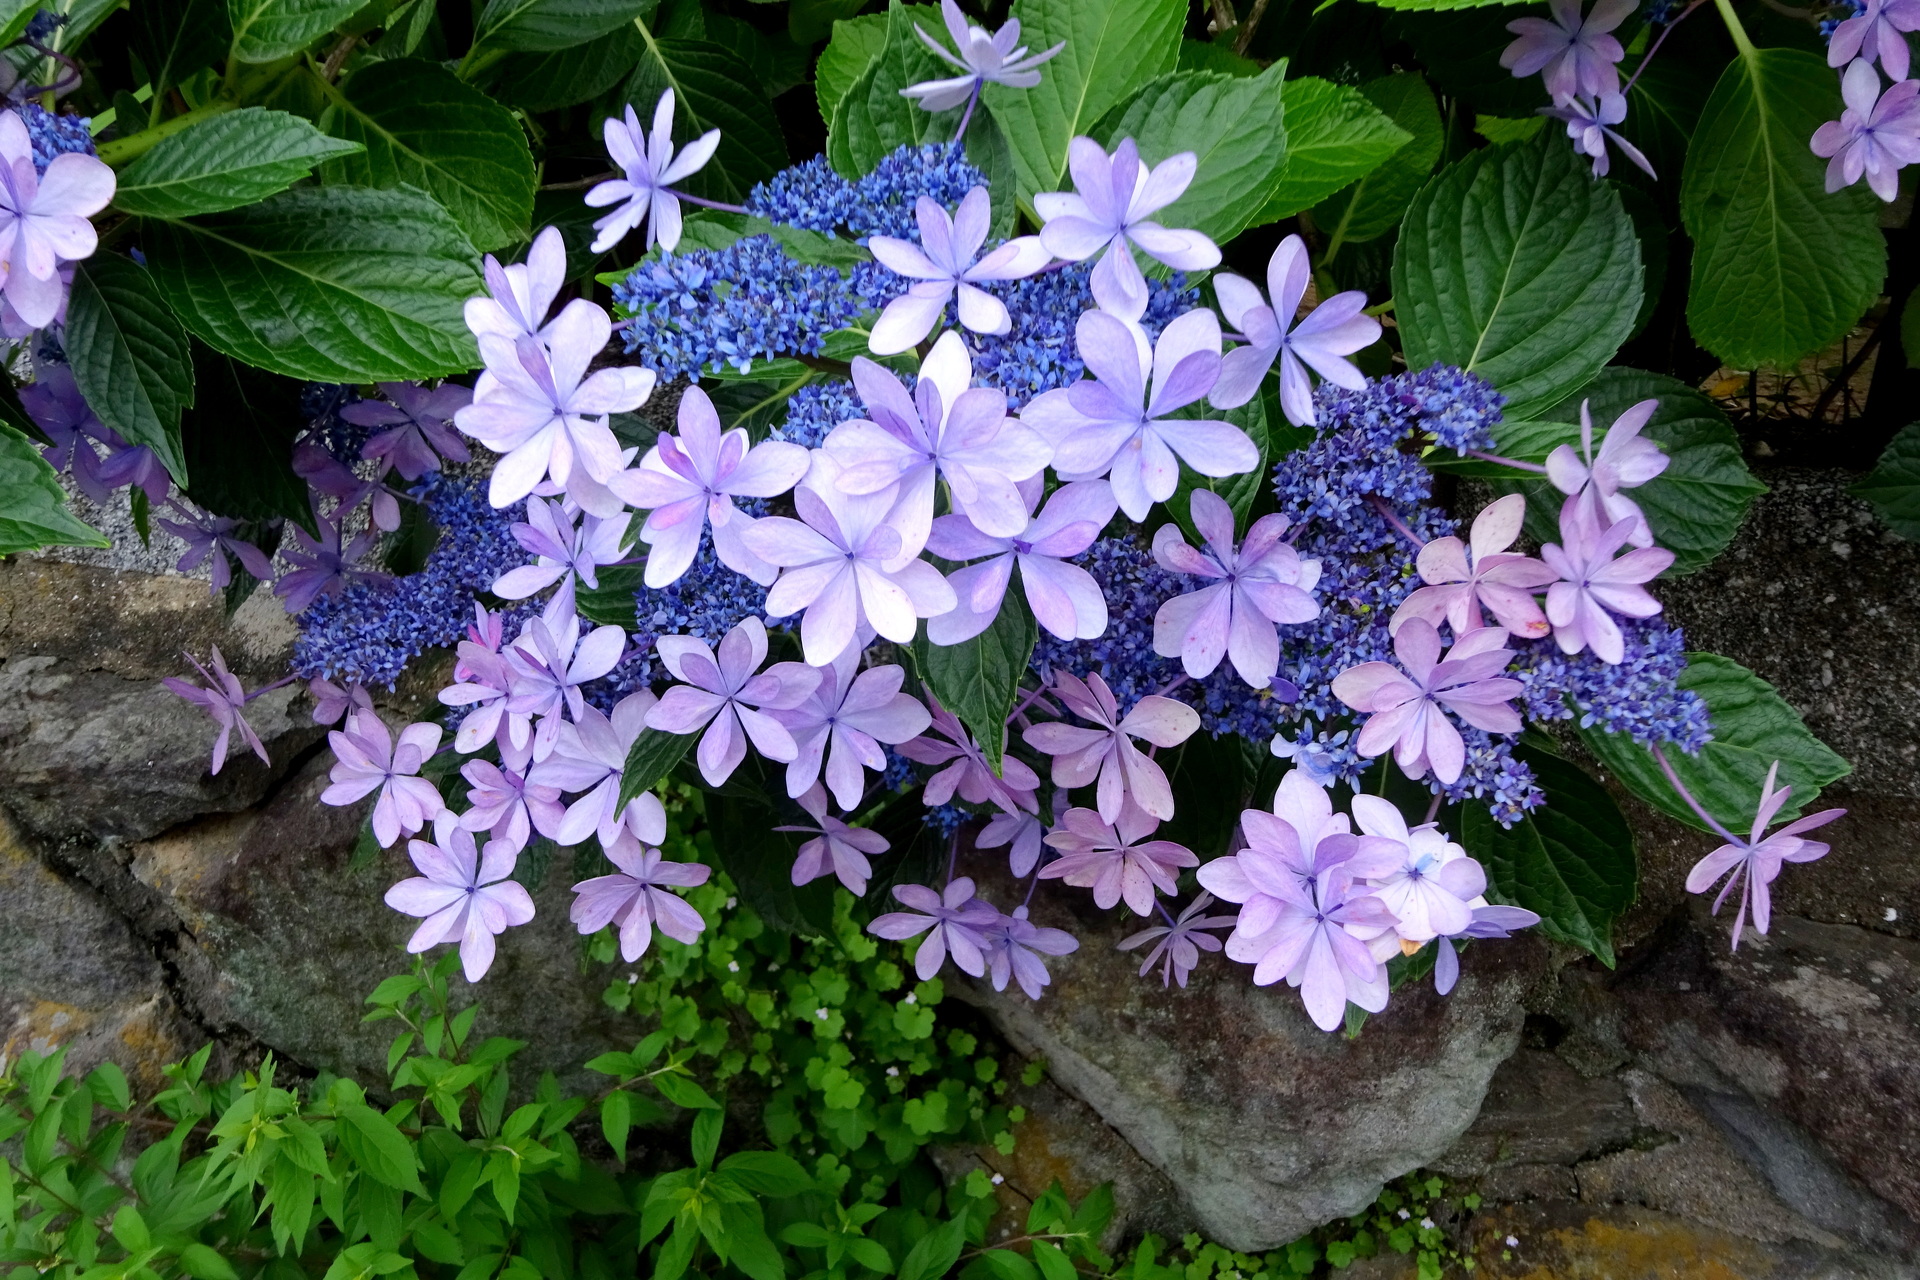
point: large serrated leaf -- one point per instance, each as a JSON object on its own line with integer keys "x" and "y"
{"x": 546, "y": 26}
{"x": 175, "y": 38}
{"x": 267, "y": 30}
{"x": 855, "y": 44}
{"x": 979, "y": 679}
{"x": 549, "y": 81}
{"x": 713, "y": 89}
{"x": 33, "y": 506}
{"x": 130, "y": 356}
{"x": 225, "y": 162}
{"x": 871, "y": 120}
{"x": 1335, "y": 136}
{"x": 238, "y": 441}
{"x": 1373, "y": 205}
{"x": 1893, "y": 486}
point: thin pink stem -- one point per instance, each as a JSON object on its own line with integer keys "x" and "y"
{"x": 1657, "y": 42}
{"x": 1433, "y": 810}
{"x": 1693, "y": 804}
{"x": 1507, "y": 462}
{"x": 1392, "y": 517}
{"x": 973, "y": 99}
{"x": 705, "y": 204}
{"x": 281, "y": 683}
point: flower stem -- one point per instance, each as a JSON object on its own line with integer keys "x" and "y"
{"x": 1674, "y": 779}
{"x": 705, "y": 204}
{"x": 966, "y": 117}
{"x": 1507, "y": 462}
{"x": 1657, "y": 42}
{"x": 1392, "y": 517}
{"x": 121, "y": 150}
{"x": 1734, "y": 29}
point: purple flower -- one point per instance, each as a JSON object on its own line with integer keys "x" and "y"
{"x": 321, "y": 568}
{"x": 1065, "y": 598}
{"x": 726, "y": 695}
{"x": 330, "y": 701}
{"x": 1099, "y": 426}
{"x": 1329, "y": 334}
{"x": 1177, "y": 946}
{"x": 1116, "y": 195}
{"x": 420, "y": 425}
{"x": 1014, "y": 948}
{"x": 462, "y": 893}
{"x": 1431, "y": 883}
{"x": 1488, "y": 922}
{"x": 523, "y": 293}
{"x": 43, "y": 220}
{"x": 547, "y": 665}
{"x": 842, "y": 723}
{"x": 506, "y": 806}
{"x": 1593, "y": 585}
{"x": 590, "y": 755}
{"x": 1877, "y": 32}
{"x": 1287, "y": 850}
{"x": 1107, "y": 753}
{"x": 1461, "y": 581}
{"x": 692, "y": 479}
{"x": 224, "y": 699}
{"x": 1309, "y": 945}
{"x": 1759, "y": 857}
{"x": 1408, "y": 707}
{"x": 1021, "y": 832}
{"x": 483, "y": 680}
{"x": 1263, "y": 584}
{"x": 957, "y": 921}
{"x": 54, "y": 402}
{"x": 1626, "y": 460}
{"x": 996, "y": 58}
{"x": 136, "y": 465}
{"x": 1116, "y": 860}
{"x": 366, "y": 760}
{"x": 638, "y": 898}
{"x": 1575, "y": 55}
{"x": 1876, "y": 135}
{"x": 645, "y": 194}
{"x": 565, "y": 553}
{"x": 211, "y": 539}
{"x": 946, "y": 427}
{"x": 943, "y": 262}
{"x": 838, "y": 849}
{"x": 966, "y": 771}
{"x": 326, "y": 475}
{"x": 1590, "y": 124}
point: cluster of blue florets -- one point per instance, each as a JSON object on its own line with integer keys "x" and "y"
{"x": 55, "y": 135}
{"x": 1038, "y": 353}
{"x": 1841, "y": 12}
{"x": 814, "y": 197}
{"x": 816, "y": 409}
{"x": 1638, "y": 696}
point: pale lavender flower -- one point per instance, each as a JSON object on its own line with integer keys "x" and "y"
{"x": 1257, "y": 588}
{"x": 942, "y": 263}
{"x": 1432, "y": 883}
{"x": 1574, "y": 55}
{"x": 547, "y": 665}
{"x": 725, "y": 695}
{"x": 366, "y": 759}
{"x": 996, "y": 58}
{"x": 1177, "y": 946}
{"x": 1626, "y": 460}
{"x": 638, "y": 899}
{"x": 1116, "y": 860}
{"x": 43, "y": 220}
{"x": 842, "y": 723}
{"x": 967, "y": 772}
{"x": 1878, "y": 31}
{"x": 1099, "y": 426}
{"x": 419, "y": 420}
{"x": 1323, "y": 340}
{"x": 327, "y": 476}
{"x": 645, "y": 194}
{"x": 837, "y": 850}
{"x": 321, "y": 568}
{"x": 1489, "y": 921}
{"x": 1408, "y": 705}
{"x": 690, "y": 481}
{"x": 211, "y": 540}
{"x": 1464, "y": 577}
{"x": 1014, "y": 947}
{"x": 1309, "y": 944}
{"x": 1756, "y": 861}
{"x": 958, "y": 922}
{"x": 590, "y": 757}
{"x": 1877, "y": 134}
{"x": 506, "y": 806}
{"x": 1065, "y": 598}
{"x": 520, "y": 295}
{"x": 1287, "y": 850}
{"x": 1107, "y": 752}
{"x": 1110, "y": 210}
{"x": 225, "y": 700}
{"x": 483, "y": 680}
{"x": 463, "y": 893}
{"x": 564, "y": 552}
{"x": 1590, "y": 124}
{"x": 1021, "y": 833}
{"x": 331, "y": 702}
{"x": 1594, "y": 585}
{"x": 847, "y": 565}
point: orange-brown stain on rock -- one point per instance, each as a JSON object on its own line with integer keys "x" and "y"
{"x": 1619, "y": 1245}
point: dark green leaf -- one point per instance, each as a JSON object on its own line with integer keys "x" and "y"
{"x": 611, "y": 604}
{"x": 548, "y": 81}
{"x": 713, "y": 89}
{"x": 978, "y": 679}
{"x": 225, "y": 162}
{"x": 1334, "y": 137}
{"x": 683, "y": 1092}
{"x": 767, "y": 1173}
{"x": 1893, "y": 486}
{"x": 33, "y": 506}
{"x": 202, "y": 1263}
{"x": 267, "y": 30}
{"x": 776, "y": 62}
{"x": 653, "y": 757}
{"x": 1210, "y": 787}
{"x": 758, "y": 859}
{"x": 935, "y": 1252}
{"x": 1205, "y": 55}
{"x": 174, "y": 39}
{"x": 1373, "y": 206}
{"x": 130, "y": 356}
{"x": 546, "y": 26}
{"x": 238, "y": 441}
{"x": 871, "y": 119}
{"x": 855, "y": 44}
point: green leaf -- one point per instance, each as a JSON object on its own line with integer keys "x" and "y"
{"x": 1752, "y": 727}
{"x": 935, "y": 1252}
{"x": 202, "y": 1263}
{"x": 33, "y": 506}
{"x": 329, "y": 284}
{"x": 683, "y": 1092}
{"x": 1205, "y": 55}
{"x": 173, "y": 39}
{"x": 422, "y": 127}
{"x": 1781, "y": 266}
{"x": 224, "y": 162}
{"x": 1571, "y": 860}
{"x": 713, "y": 89}
{"x": 616, "y": 1117}
{"x": 1335, "y": 136}
{"x": 380, "y": 1149}
{"x": 238, "y": 441}
{"x": 1373, "y": 206}
{"x": 759, "y": 859}
{"x": 706, "y": 1135}
{"x": 654, "y": 755}
{"x": 549, "y": 81}
{"x": 130, "y": 356}
{"x": 871, "y": 119}
{"x": 1516, "y": 265}
{"x": 1234, "y": 125}
{"x": 267, "y": 30}
{"x": 1893, "y": 486}
{"x": 767, "y": 1173}
{"x": 979, "y": 679}
{"x": 546, "y": 26}
{"x": 855, "y": 44}
{"x": 1113, "y": 47}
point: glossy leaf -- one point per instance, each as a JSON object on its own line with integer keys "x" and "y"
{"x": 225, "y": 162}
{"x": 238, "y": 440}
{"x": 267, "y": 30}
{"x": 130, "y": 356}
{"x": 1335, "y": 136}
{"x": 1373, "y": 205}
{"x": 175, "y": 38}
{"x": 855, "y": 44}
{"x": 654, "y": 755}
{"x": 33, "y": 506}
{"x": 871, "y": 119}
{"x": 549, "y": 81}
{"x": 544, "y": 26}
{"x": 979, "y": 679}
{"x": 1893, "y": 486}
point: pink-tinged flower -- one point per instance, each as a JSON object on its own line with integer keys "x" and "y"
{"x": 506, "y": 806}
{"x": 942, "y": 263}
{"x": 1177, "y": 946}
{"x": 1116, "y": 860}
{"x": 328, "y": 476}
{"x": 1106, "y": 752}
{"x": 1287, "y": 851}
{"x": 987, "y": 58}
{"x": 1878, "y": 31}
{"x": 1115, "y": 197}
{"x": 547, "y": 665}
{"x": 1877, "y": 134}
{"x": 1098, "y": 425}
{"x": 1575, "y": 55}
{"x": 1462, "y": 578}
{"x": 520, "y": 294}
{"x": 484, "y": 681}
{"x": 1590, "y": 124}
{"x": 1407, "y": 707}
{"x": 330, "y": 701}
{"x": 225, "y": 700}
{"x": 848, "y": 565}
{"x": 366, "y": 759}
{"x": 590, "y": 756}
{"x": 1260, "y": 586}
{"x": 464, "y": 893}
{"x": 842, "y": 723}
{"x": 1014, "y": 947}
{"x": 638, "y": 899}
{"x": 1311, "y": 946}
{"x": 967, "y": 772}
{"x": 724, "y": 694}
{"x": 1021, "y": 834}
{"x": 1593, "y": 585}
{"x": 1626, "y": 460}
{"x": 420, "y": 425}
{"x": 564, "y": 552}
{"x": 837, "y": 849}
{"x": 651, "y": 167}
{"x": 1064, "y": 597}
{"x": 945, "y": 427}
{"x": 321, "y": 568}
{"x": 43, "y": 220}
{"x": 538, "y": 405}
{"x": 1432, "y": 883}
{"x": 690, "y": 480}
{"x": 1489, "y": 921}
{"x": 1323, "y": 340}
{"x": 212, "y": 540}
{"x": 957, "y": 921}
{"x": 1756, "y": 861}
